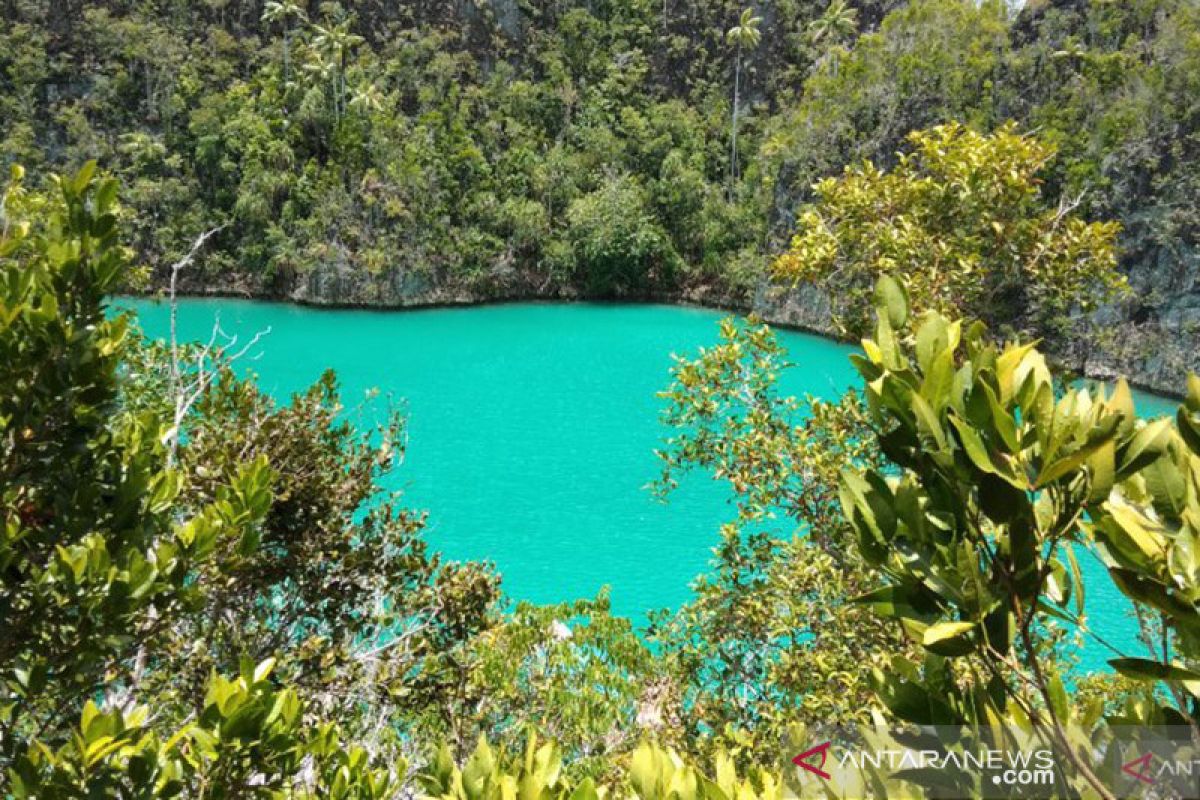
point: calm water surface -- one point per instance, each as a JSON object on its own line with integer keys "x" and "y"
{"x": 532, "y": 429}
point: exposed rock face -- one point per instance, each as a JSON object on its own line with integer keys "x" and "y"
{"x": 805, "y": 307}
{"x": 339, "y": 285}
{"x": 1155, "y": 354}
{"x": 1154, "y": 339}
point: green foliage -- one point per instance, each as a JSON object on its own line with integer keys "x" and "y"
{"x": 838, "y": 22}
{"x": 332, "y": 141}
{"x": 999, "y": 480}
{"x": 769, "y": 640}
{"x": 484, "y": 776}
{"x": 300, "y": 578}
{"x": 412, "y": 151}
{"x": 408, "y": 152}
{"x": 1147, "y": 530}
{"x": 92, "y": 550}
{"x": 929, "y": 62}
{"x": 108, "y": 551}
{"x": 776, "y": 452}
{"x": 1105, "y": 84}
{"x": 338, "y": 568}
{"x": 533, "y": 667}
{"x": 962, "y": 223}
{"x": 651, "y": 773}
{"x": 996, "y": 476}
{"x": 249, "y": 740}
{"x": 571, "y": 671}
{"x": 619, "y": 249}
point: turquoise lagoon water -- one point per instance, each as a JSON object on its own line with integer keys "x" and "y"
{"x": 532, "y": 429}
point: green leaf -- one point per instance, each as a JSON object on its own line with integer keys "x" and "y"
{"x": 586, "y": 790}
{"x": 1003, "y": 422}
{"x": 931, "y": 338}
{"x": 950, "y": 638}
{"x": 263, "y": 670}
{"x": 927, "y": 421}
{"x": 867, "y": 501}
{"x": 1058, "y": 697}
{"x": 1006, "y": 366}
{"x": 1077, "y": 578}
{"x": 898, "y": 601}
{"x": 910, "y": 701}
{"x": 1144, "y": 669}
{"x": 83, "y": 177}
{"x": 106, "y": 195}
{"x": 644, "y": 770}
{"x": 1147, "y": 445}
{"x": 976, "y": 451}
{"x": 891, "y": 301}
{"x": 939, "y": 379}
{"x": 1192, "y": 399}
{"x": 1152, "y": 593}
{"x": 1167, "y": 485}
{"x": 1070, "y": 462}
{"x": 1121, "y": 402}
{"x": 1189, "y": 427}
{"x": 1126, "y": 531}
{"x": 1101, "y": 466}
{"x": 478, "y": 770}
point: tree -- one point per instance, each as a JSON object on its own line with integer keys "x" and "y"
{"x": 334, "y": 44}
{"x": 100, "y": 555}
{"x": 998, "y": 480}
{"x": 340, "y": 587}
{"x": 962, "y": 221}
{"x": 769, "y": 640}
{"x": 618, "y": 247}
{"x": 283, "y": 12}
{"x": 743, "y": 36}
{"x": 95, "y": 559}
{"x": 838, "y": 22}
{"x": 576, "y": 673}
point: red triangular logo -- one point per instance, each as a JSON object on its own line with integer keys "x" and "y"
{"x": 1142, "y": 764}
{"x": 802, "y": 759}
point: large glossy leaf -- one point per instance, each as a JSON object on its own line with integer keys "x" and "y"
{"x": 899, "y": 601}
{"x": 892, "y": 300}
{"x": 977, "y": 452}
{"x": 1146, "y": 670}
{"x": 1147, "y": 444}
{"x": 1153, "y": 593}
{"x": 950, "y": 638}
{"x": 1067, "y": 464}
{"x": 1133, "y": 536}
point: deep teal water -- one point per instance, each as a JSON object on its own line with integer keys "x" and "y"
{"x": 532, "y": 429}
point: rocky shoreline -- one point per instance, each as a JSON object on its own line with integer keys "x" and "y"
{"x": 1151, "y": 357}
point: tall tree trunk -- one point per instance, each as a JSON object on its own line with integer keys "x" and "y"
{"x": 737, "y": 86}
{"x": 342, "y": 82}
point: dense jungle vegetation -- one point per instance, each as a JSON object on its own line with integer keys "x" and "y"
{"x": 396, "y": 153}
{"x": 206, "y": 592}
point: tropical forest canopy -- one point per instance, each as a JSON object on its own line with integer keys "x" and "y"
{"x": 206, "y": 591}
{"x": 392, "y": 153}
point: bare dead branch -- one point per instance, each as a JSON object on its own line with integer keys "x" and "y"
{"x": 219, "y": 348}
